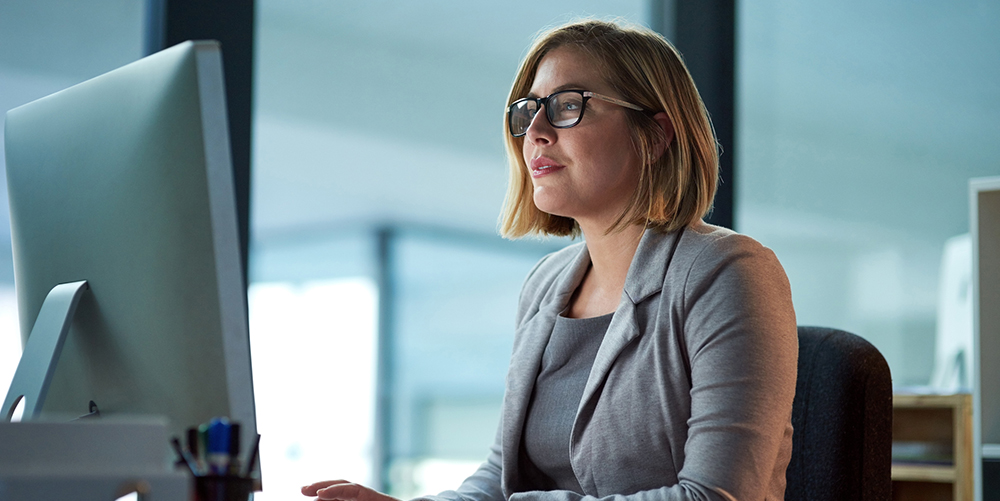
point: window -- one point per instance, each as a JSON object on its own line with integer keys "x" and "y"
{"x": 859, "y": 125}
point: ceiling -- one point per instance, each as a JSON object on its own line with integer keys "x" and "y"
{"x": 390, "y": 111}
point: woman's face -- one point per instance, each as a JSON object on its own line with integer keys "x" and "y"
{"x": 587, "y": 172}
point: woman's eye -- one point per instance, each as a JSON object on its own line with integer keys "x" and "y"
{"x": 569, "y": 106}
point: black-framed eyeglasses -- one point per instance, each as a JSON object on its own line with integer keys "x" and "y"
{"x": 563, "y": 109}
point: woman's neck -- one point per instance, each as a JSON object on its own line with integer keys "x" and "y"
{"x": 610, "y": 256}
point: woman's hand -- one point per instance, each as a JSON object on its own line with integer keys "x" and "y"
{"x": 343, "y": 490}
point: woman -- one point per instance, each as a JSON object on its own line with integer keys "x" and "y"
{"x": 656, "y": 359}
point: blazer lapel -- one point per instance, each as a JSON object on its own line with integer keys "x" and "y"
{"x": 530, "y": 341}
{"x": 645, "y": 278}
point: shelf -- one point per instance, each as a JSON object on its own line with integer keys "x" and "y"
{"x": 908, "y": 400}
{"x": 944, "y": 423}
{"x": 923, "y": 473}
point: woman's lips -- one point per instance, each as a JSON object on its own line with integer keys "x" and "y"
{"x": 541, "y": 166}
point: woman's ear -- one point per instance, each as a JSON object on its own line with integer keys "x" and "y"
{"x": 666, "y": 135}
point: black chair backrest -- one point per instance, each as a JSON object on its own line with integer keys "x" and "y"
{"x": 842, "y": 415}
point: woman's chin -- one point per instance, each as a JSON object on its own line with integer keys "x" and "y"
{"x": 551, "y": 209}
{"x": 549, "y": 203}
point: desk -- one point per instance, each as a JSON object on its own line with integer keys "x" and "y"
{"x": 96, "y": 461}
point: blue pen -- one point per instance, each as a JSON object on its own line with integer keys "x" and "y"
{"x": 218, "y": 446}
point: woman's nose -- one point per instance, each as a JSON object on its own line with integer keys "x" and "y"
{"x": 540, "y": 130}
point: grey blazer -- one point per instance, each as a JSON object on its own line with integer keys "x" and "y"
{"x": 690, "y": 396}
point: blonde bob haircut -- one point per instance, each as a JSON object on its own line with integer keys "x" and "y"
{"x": 674, "y": 189}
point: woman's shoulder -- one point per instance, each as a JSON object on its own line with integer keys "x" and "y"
{"x": 703, "y": 242}
{"x": 672, "y": 260}
{"x": 709, "y": 256}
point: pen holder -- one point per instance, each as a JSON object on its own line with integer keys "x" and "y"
{"x": 222, "y": 488}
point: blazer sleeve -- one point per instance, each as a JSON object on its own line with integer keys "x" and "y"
{"x": 740, "y": 335}
{"x": 483, "y": 485}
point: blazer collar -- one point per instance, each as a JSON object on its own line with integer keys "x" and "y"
{"x": 567, "y": 282}
{"x": 648, "y": 270}
{"x": 645, "y": 275}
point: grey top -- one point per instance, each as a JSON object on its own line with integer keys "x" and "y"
{"x": 566, "y": 364}
{"x": 690, "y": 394}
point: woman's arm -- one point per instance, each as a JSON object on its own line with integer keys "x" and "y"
{"x": 483, "y": 485}
{"x": 684, "y": 491}
{"x": 742, "y": 343}
{"x": 486, "y": 483}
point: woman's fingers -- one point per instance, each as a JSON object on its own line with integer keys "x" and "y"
{"x": 347, "y": 491}
{"x": 310, "y": 490}
{"x": 343, "y": 490}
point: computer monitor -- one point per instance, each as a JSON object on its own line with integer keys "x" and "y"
{"x": 126, "y": 181}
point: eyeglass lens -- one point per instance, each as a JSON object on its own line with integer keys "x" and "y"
{"x": 563, "y": 109}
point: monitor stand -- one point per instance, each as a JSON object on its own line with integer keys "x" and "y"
{"x": 84, "y": 461}
{"x": 41, "y": 352}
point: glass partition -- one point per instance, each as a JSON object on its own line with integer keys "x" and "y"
{"x": 859, "y": 126}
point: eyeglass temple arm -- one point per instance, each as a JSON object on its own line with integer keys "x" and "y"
{"x": 612, "y": 100}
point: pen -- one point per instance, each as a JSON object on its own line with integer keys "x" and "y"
{"x": 184, "y": 456}
{"x": 194, "y": 447}
{"x": 203, "y": 445}
{"x": 252, "y": 459}
{"x": 218, "y": 446}
{"x": 234, "y": 449}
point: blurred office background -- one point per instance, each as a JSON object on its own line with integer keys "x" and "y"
{"x": 378, "y": 172}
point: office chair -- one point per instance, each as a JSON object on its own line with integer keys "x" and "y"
{"x": 842, "y": 415}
